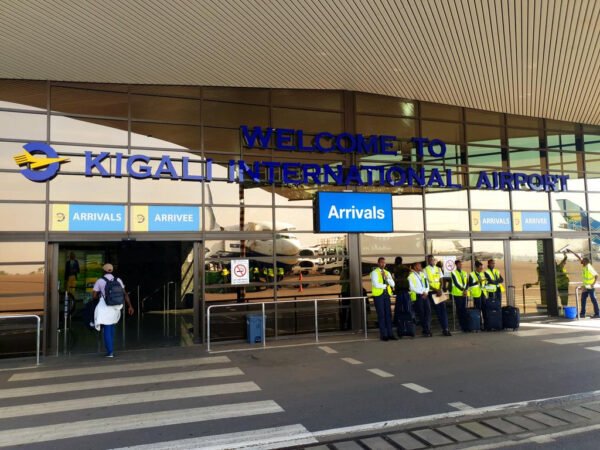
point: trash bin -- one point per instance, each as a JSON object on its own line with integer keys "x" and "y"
{"x": 570, "y": 312}
{"x": 254, "y": 328}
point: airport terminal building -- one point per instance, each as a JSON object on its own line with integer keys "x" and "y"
{"x": 176, "y": 182}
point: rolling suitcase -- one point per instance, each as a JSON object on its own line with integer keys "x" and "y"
{"x": 473, "y": 319}
{"x": 406, "y": 323}
{"x": 492, "y": 315}
{"x": 511, "y": 316}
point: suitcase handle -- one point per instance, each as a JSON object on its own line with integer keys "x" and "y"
{"x": 511, "y": 288}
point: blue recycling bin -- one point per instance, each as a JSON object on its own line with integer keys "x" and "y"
{"x": 254, "y": 328}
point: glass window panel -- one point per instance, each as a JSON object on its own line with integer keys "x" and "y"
{"x": 569, "y": 221}
{"x": 485, "y": 156}
{"x": 558, "y": 141}
{"x": 232, "y": 115}
{"x": 23, "y": 94}
{"x": 380, "y": 104}
{"x": 391, "y": 244}
{"x": 14, "y": 186}
{"x": 593, "y": 184}
{"x": 482, "y": 199}
{"x": 438, "y": 111}
{"x": 309, "y": 121}
{"x": 591, "y": 142}
{"x": 22, "y": 217}
{"x": 78, "y": 188}
{"x": 13, "y": 252}
{"x": 525, "y": 159}
{"x": 447, "y": 132}
{"x": 300, "y": 219}
{"x": 391, "y": 126}
{"x": 224, "y": 193}
{"x": 231, "y": 218}
{"x": 222, "y": 140}
{"x": 167, "y": 136}
{"x": 450, "y": 220}
{"x": 179, "y": 91}
{"x": 522, "y": 121}
{"x": 88, "y": 102}
{"x": 558, "y": 125}
{"x": 168, "y": 109}
{"x": 407, "y": 201}
{"x": 559, "y": 161}
{"x": 301, "y": 98}
{"x": 529, "y": 201}
{"x": 594, "y": 223}
{"x": 89, "y": 131}
{"x": 21, "y": 288}
{"x": 447, "y": 199}
{"x": 26, "y": 126}
{"x": 518, "y": 137}
{"x": 477, "y": 134}
{"x": 592, "y": 162}
{"x": 239, "y": 95}
{"x": 261, "y": 195}
{"x": 594, "y": 202}
{"x": 457, "y": 248}
{"x": 488, "y": 117}
{"x": 408, "y": 220}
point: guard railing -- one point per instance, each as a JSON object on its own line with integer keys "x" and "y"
{"x": 263, "y": 310}
{"x": 39, "y": 325}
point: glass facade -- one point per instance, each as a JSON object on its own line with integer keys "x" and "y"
{"x": 271, "y": 224}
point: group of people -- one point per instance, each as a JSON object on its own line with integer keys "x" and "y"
{"x": 420, "y": 290}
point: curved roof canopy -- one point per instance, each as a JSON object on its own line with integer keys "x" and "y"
{"x": 527, "y": 57}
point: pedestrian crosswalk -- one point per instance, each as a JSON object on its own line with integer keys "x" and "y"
{"x": 112, "y": 400}
{"x": 561, "y": 335}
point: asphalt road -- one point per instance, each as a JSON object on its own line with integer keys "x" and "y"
{"x": 171, "y": 394}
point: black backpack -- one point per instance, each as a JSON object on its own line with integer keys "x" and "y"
{"x": 114, "y": 294}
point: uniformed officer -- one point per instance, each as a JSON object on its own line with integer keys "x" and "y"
{"x": 280, "y": 273}
{"x": 477, "y": 285}
{"x": 494, "y": 280}
{"x": 562, "y": 281}
{"x": 270, "y": 275}
{"x": 225, "y": 275}
{"x": 382, "y": 285}
{"x": 589, "y": 276}
{"x": 460, "y": 292}
{"x": 419, "y": 296}
{"x": 256, "y": 274}
{"x": 434, "y": 277}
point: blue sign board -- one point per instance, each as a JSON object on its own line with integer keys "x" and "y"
{"x": 173, "y": 218}
{"x": 349, "y": 212}
{"x": 533, "y": 221}
{"x": 491, "y": 221}
{"x": 96, "y": 218}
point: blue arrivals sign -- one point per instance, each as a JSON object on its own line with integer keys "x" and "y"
{"x": 165, "y": 218}
{"x": 76, "y": 217}
{"x": 349, "y": 212}
{"x": 532, "y": 221}
{"x": 491, "y": 221}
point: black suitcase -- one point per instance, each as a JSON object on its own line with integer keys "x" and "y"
{"x": 492, "y": 316}
{"x": 473, "y": 319}
{"x": 406, "y": 324}
{"x": 511, "y": 316}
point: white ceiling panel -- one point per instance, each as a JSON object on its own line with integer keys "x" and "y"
{"x": 529, "y": 57}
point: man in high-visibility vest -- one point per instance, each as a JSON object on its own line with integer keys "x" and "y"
{"x": 382, "y": 285}
{"x": 589, "y": 276}
{"x": 562, "y": 281}
{"x": 280, "y": 273}
{"x": 434, "y": 278}
{"x": 460, "y": 291}
{"x": 225, "y": 275}
{"x": 477, "y": 285}
{"x": 493, "y": 282}
{"x": 419, "y": 297}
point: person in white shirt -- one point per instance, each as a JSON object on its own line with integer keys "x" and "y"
{"x": 419, "y": 296}
{"x": 382, "y": 287}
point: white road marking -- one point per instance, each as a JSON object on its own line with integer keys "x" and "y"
{"x": 381, "y": 373}
{"x": 416, "y": 388}
{"x": 292, "y": 435}
{"x": 328, "y": 349}
{"x": 118, "y": 382}
{"x": 573, "y": 340}
{"x": 40, "y": 375}
{"x": 30, "y": 435}
{"x": 352, "y": 361}
{"x": 460, "y": 406}
{"x": 595, "y": 349}
{"x": 543, "y": 332}
{"x": 126, "y": 399}
{"x": 584, "y": 325}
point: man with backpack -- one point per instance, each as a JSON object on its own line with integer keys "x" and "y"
{"x": 110, "y": 294}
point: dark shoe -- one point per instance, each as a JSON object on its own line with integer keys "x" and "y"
{"x": 109, "y": 355}
{"x": 393, "y": 338}
{"x": 447, "y": 333}
{"x": 596, "y": 316}
{"x": 582, "y": 316}
{"x": 384, "y": 339}
{"x": 427, "y": 335}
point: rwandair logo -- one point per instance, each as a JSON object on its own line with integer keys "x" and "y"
{"x": 40, "y": 160}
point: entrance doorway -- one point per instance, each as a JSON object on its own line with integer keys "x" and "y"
{"x": 158, "y": 277}
{"x": 529, "y": 269}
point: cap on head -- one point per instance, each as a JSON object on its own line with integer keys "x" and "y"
{"x": 108, "y": 267}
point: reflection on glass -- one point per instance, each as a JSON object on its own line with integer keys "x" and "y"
{"x": 69, "y": 188}
{"x": 90, "y": 131}
{"x": 22, "y": 217}
{"x": 13, "y": 252}
{"x": 529, "y": 277}
{"x": 447, "y": 199}
{"x": 449, "y": 220}
{"x": 26, "y": 126}
{"x": 527, "y": 200}
{"x": 21, "y": 288}
{"x": 481, "y": 199}
{"x": 408, "y": 220}
{"x": 398, "y": 244}
{"x": 14, "y": 186}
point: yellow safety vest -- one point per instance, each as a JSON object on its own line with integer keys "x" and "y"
{"x": 423, "y": 282}
{"x": 270, "y": 272}
{"x": 225, "y": 272}
{"x": 494, "y": 275}
{"x": 280, "y": 271}
{"x": 378, "y": 291}
{"x": 479, "y": 280}
{"x": 462, "y": 278}
{"x": 588, "y": 276}
{"x": 434, "y": 276}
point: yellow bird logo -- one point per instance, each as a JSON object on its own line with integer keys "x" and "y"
{"x": 36, "y": 162}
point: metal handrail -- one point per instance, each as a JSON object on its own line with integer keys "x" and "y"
{"x": 577, "y": 289}
{"x": 39, "y": 324}
{"x": 314, "y": 301}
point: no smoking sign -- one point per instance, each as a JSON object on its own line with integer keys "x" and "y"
{"x": 240, "y": 271}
